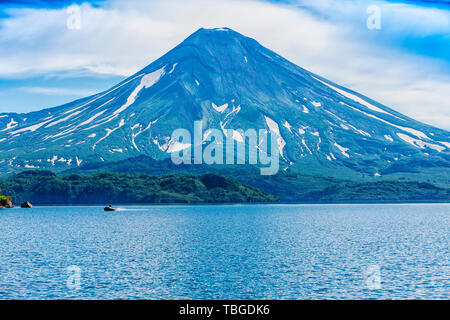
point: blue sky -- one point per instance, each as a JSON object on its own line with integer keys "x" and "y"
{"x": 405, "y": 64}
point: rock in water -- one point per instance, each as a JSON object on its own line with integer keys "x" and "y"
{"x": 26, "y": 204}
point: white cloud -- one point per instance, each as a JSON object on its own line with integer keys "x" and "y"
{"x": 123, "y": 36}
{"x": 58, "y": 91}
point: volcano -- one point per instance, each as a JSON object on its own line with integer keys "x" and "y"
{"x": 228, "y": 81}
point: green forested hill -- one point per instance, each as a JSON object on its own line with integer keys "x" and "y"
{"x": 289, "y": 186}
{"x": 45, "y": 187}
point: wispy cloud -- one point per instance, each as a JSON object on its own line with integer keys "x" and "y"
{"x": 328, "y": 37}
{"x": 58, "y": 91}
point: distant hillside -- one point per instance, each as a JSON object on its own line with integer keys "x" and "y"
{"x": 288, "y": 186}
{"x": 45, "y": 187}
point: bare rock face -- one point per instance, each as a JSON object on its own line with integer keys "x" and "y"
{"x": 26, "y": 204}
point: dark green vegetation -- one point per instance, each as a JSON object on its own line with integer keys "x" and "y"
{"x": 143, "y": 180}
{"x": 45, "y": 187}
{"x": 289, "y": 187}
{"x": 383, "y": 191}
{"x": 4, "y": 200}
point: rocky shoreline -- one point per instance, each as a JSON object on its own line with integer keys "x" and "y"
{"x": 5, "y": 202}
{"x": 8, "y": 205}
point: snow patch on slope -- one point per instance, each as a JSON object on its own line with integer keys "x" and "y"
{"x": 146, "y": 82}
{"x": 288, "y": 126}
{"x": 342, "y": 149}
{"x": 134, "y": 135}
{"x": 64, "y": 119}
{"x": 31, "y": 128}
{"x": 108, "y": 133}
{"x": 176, "y": 146}
{"x": 447, "y": 144}
{"x": 11, "y": 124}
{"x": 221, "y": 108}
{"x": 92, "y": 118}
{"x": 419, "y": 143}
{"x": 415, "y": 132}
{"x": 273, "y": 126}
{"x": 173, "y": 68}
{"x": 306, "y": 146}
{"x": 356, "y": 98}
{"x": 101, "y": 96}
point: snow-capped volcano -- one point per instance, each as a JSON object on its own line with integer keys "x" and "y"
{"x": 229, "y": 81}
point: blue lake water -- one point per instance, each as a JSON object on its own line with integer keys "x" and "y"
{"x": 226, "y": 252}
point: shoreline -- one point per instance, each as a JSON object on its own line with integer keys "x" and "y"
{"x": 243, "y": 204}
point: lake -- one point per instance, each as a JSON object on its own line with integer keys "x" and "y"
{"x": 226, "y": 252}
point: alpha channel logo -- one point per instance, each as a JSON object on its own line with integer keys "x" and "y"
{"x": 227, "y": 146}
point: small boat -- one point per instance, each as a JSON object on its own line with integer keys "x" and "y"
{"x": 110, "y": 208}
